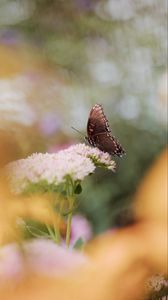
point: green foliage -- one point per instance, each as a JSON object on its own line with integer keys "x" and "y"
{"x": 43, "y": 186}
{"x": 78, "y": 244}
{"x": 33, "y": 229}
{"x": 78, "y": 189}
{"x": 107, "y": 198}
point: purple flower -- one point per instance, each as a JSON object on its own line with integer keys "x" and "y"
{"x": 9, "y": 37}
{"x": 58, "y": 147}
{"x": 40, "y": 256}
{"x": 49, "y": 124}
{"x": 11, "y": 262}
{"x": 85, "y": 5}
{"x": 44, "y": 256}
{"x": 80, "y": 228}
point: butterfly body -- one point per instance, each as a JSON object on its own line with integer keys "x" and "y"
{"x": 99, "y": 134}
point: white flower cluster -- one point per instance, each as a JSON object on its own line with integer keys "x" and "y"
{"x": 156, "y": 283}
{"x": 76, "y": 161}
{"x": 98, "y": 157}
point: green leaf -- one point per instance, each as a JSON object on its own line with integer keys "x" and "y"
{"x": 78, "y": 189}
{"x": 36, "y": 232}
{"x": 79, "y": 244}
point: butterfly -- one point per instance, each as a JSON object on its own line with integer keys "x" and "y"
{"x": 99, "y": 134}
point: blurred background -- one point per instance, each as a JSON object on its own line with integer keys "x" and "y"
{"x": 57, "y": 59}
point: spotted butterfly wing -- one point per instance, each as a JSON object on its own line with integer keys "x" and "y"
{"x": 99, "y": 134}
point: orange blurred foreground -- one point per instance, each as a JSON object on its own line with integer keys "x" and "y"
{"x": 119, "y": 262}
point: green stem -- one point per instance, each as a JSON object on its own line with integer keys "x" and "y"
{"x": 70, "y": 193}
{"x": 56, "y": 233}
{"x": 52, "y": 235}
{"x": 68, "y": 232}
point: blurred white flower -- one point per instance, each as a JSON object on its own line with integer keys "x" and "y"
{"x": 134, "y": 108}
{"x": 12, "y": 12}
{"x": 105, "y": 72}
{"x": 14, "y": 106}
{"x": 77, "y": 161}
{"x": 120, "y": 9}
{"x": 163, "y": 88}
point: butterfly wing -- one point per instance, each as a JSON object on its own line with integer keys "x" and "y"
{"x": 108, "y": 143}
{"x": 99, "y": 134}
{"x": 97, "y": 122}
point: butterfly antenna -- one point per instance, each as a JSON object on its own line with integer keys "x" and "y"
{"x": 77, "y": 130}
